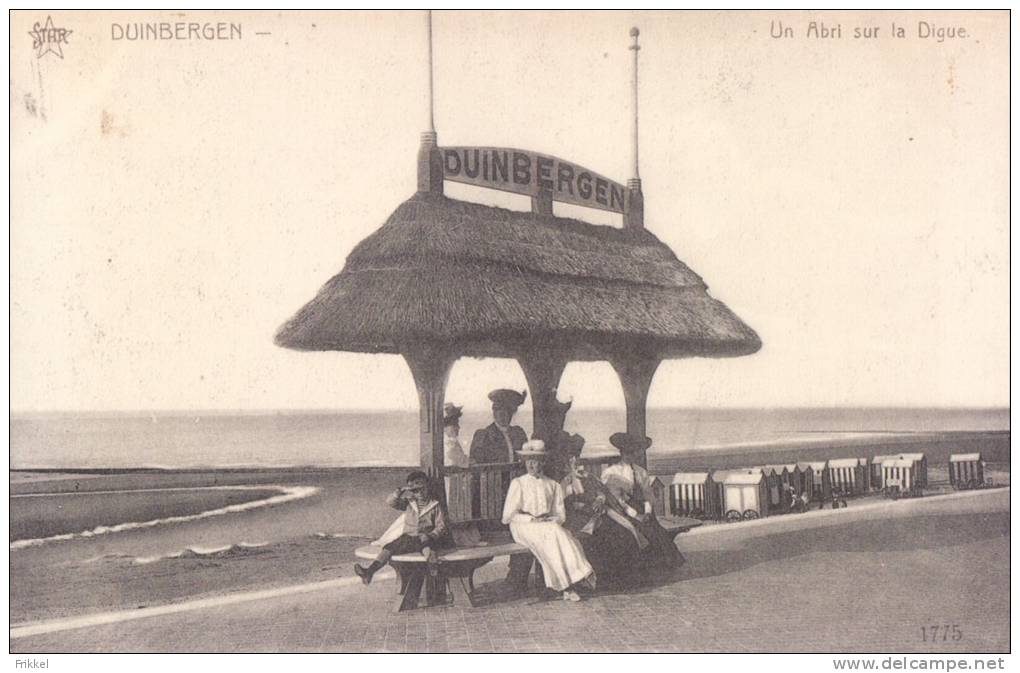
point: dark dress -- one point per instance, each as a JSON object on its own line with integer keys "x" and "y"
{"x": 611, "y": 548}
{"x": 489, "y": 444}
{"x": 661, "y": 550}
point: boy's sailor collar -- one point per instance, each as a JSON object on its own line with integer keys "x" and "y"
{"x": 428, "y": 507}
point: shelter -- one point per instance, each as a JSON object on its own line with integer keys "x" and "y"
{"x": 966, "y": 470}
{"x": 693, "y": 492}
{"x": 443, "y": 279}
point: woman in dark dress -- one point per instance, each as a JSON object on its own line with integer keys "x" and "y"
{"x": 611, "y": 542}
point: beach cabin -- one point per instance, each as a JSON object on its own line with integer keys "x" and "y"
{"x": 875, "y": 471}
{"x": 791, "y": 476}
{"x": 847, "y": 476}
{"x": 693, "y": 493}
{"x": 773, "y": 483}
{"x": 921, "y": 467}
{"x": 659, "y": 495}
{"x": 900, "y": 473}
{"x": 862, "y": 463}
{"x": 744, "y": 495}
{"x": 803, "y": 480}
{"x": 821, "y": 487}
{"x": 966, "y": 470}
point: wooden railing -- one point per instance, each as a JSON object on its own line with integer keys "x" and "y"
{"x": 477, "y": 493}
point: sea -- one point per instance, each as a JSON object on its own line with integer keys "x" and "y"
{"x": 291, "y": 439}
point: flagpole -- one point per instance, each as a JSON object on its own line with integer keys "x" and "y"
{"x": 430, "y": 162}
{"x": 634, "y": 217}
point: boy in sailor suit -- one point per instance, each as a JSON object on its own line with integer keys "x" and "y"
{"x": 421, "y": 528}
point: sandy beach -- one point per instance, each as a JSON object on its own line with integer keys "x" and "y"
{"x": 307, "y": 539}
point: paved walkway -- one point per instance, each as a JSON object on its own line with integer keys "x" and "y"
{"x": 858, "y": 580}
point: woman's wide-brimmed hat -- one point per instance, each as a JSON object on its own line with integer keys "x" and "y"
{"x": 534, "y": 448}
{"x": 573, "y": 445}
{"x": 507, "y": 399}
{"x": 561, "y": 407}
{"x": 628, "y": 443}
{"x": 451, "y": 414}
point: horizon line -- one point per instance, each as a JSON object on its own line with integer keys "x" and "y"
{"x": 267, "y": 411}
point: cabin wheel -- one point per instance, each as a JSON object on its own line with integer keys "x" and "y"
{"x": 750, "y": 514}
{"x": 732, "y": 515}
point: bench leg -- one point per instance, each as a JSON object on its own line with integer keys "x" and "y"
{"x": 435, "y": 591}
{"x": 412, "y": 590}
{"x": 401, "y": 580}
{"x": 520, "y": 568}
{"x": 463, "y": 588}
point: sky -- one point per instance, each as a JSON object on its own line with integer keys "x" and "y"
{"x": 173, "y": 202}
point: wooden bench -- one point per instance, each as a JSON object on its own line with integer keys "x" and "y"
{"x": 458, "y": 565}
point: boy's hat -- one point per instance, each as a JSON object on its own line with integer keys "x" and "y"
{"x": 418, "y": 478}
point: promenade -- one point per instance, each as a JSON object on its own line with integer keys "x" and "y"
{"x": 864, "y": 579}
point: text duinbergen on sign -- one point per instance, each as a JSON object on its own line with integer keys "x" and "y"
{"x": 532, "y": 174}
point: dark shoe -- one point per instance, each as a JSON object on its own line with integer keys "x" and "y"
{"x": 363, "y": 573}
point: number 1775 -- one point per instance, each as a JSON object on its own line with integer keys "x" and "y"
{"x": 941, "y": 633}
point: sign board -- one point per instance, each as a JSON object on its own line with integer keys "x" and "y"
{"x": 532, "y": 174}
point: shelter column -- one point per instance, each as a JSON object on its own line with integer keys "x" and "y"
{"x": 542, "y": 370}
{"x": 636, "y": 375}
{"x": 431, "y": 369}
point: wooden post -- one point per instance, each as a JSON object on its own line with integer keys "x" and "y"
{"x": 636, "y": 375}
{"x": 543, "y": 203}
{"x": 431, "y": 369}
{"x": 542, "y": 370}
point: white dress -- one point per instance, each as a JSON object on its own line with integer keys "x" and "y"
{"x": 560, "y": 554}
{"x": 454, "y": 452}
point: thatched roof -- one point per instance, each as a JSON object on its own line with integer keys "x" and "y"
{"x": 490, "y": 282}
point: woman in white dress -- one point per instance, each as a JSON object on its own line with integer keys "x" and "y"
{"x": 535, "y": 512}
{"x": 453, "y": 451}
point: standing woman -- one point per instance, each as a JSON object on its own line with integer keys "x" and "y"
{"x": 630, "y": 483}
{"x": 535, "y": 511}
{"x": 453, "y": 451}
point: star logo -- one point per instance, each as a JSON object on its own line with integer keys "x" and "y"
{"x": 47, "y": 38}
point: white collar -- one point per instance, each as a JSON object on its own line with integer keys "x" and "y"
{"x": 428, "y": 507}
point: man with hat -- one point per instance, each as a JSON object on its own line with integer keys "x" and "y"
{"x": 535, "y": 511}
{"x": 453, "y": 452}
{"x": 632, "y": 486}
{"x": 498, "y": 442}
